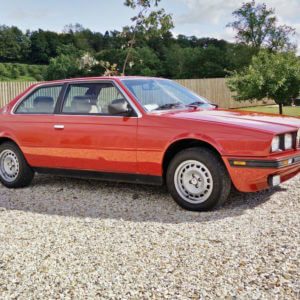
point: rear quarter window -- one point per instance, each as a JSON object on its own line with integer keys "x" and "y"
{"x": 40, "y": 101}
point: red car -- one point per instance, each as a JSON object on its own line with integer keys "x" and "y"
{"x": 145, "y": 130}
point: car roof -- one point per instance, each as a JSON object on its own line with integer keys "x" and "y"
{"x": 96, "y": 78}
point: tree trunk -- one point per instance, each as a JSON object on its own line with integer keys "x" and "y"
{"x": 126, "y": 60}
{"x": 280, "y": 108}
{"x": 128, "y": 54}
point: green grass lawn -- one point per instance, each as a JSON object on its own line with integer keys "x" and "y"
{"x": 273, "y": 109}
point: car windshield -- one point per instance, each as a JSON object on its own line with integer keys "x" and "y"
{"x": 161, "y": 94}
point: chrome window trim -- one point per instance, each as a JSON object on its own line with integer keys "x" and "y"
{"x": 94, "y": 115}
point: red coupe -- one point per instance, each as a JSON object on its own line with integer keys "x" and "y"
{"x": 145, "y": 130}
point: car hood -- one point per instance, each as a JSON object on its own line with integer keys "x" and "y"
{"x": 256, "y": 121}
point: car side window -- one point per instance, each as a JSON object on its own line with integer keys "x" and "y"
{"x": 41, "y": 101}
{"x": 91, "y": 98}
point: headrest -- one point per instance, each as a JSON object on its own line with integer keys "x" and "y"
{"x": 81, "y": 99}
{"x": 43, "y": 100}
{"x": 81, "y": 104}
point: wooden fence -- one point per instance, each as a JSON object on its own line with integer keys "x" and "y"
{"x": 9, "y": 90}
{"x": 213, "y": 89}
{"x": 216, "y": 91}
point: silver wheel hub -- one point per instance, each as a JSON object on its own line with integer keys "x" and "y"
{"x": 9, "y": 165}
{"x": 193, "y": 181}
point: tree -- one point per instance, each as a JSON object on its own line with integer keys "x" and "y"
{"x": 256, "y": 26}
{"x": 66, "y": 64}
{"x": 175, "y": 61}
{"x": 148, "y": 21}
{"x": 211, "y": 63}
{"x": 44, "y": 45}
{"x": 110, "y": 70}
{"x": 73, "y": 28}
{"x": 14, "y": 44}
{"x": 239, "y": 56}
{"x": 70, "y": 62}
{"x": 144, "y": 62}
{"x": 270, "y": 75}
{"x": 63, "y": 66}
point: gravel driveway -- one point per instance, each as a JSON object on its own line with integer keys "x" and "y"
{"x": 69, "y": 238}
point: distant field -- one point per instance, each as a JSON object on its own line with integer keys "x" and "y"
{"x": 273, "y": 109}
{"x": 22, "y": 72}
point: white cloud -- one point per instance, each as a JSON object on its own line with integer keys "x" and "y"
{"x": 23, "y": 14}
{"x": 209, "y": 11}
{"x": 228, "y": 34}
{"x": 297, "y": 26}
{"x": 215, "y": 10}
{"x": 218, "y": 13}
{"x": 285, "y": 9}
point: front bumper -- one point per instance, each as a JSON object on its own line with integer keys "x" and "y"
{"x": 255, "y": 174}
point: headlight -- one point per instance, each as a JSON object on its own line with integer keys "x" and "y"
{"x": 288, "y": 141}
{"x": 275, "y": 144}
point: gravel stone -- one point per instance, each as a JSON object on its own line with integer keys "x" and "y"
{"x": 77, "y": 239}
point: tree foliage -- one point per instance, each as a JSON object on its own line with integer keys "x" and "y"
{"x": 66, "y": 64}
{"x": 146, "y": 46}
{"x": 166, "y": 56}
{"x": 270, "y": 75}
{"x": 63, "y": 66}
{"x": 14, "y": 45}
{"x": 256, "y": 26}
{"x": 149, "y": 21}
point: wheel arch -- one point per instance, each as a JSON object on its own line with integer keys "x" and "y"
{"x": 24, "y": 175}
{"x": 182, "y": 144}
{"x": 4, "y": 139}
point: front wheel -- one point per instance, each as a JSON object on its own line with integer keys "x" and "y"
{"x": 198, "y": 180}
{"x": 14, "y": 170}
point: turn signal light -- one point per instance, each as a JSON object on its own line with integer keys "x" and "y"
{"x": 239, "y": 163}
{"x": 286, "y": 162}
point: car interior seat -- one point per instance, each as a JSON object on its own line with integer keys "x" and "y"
{"x": 81, "y": 104}
{"x": 85, "y": 104}
{"x": 43, "y": 104}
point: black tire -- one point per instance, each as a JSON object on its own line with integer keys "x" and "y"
{"x": 24, "y": 175}
{"x": 221, "y": 182}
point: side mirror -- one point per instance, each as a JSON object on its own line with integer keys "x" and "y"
{"x": 120, "y": 107}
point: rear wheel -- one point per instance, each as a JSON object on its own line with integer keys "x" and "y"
{"x": 198, "y": 180}
{"x": 14, "y": 170}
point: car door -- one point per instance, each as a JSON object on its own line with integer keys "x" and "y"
{"x": 90, "y": 136}
{"x": 32, "y": 124}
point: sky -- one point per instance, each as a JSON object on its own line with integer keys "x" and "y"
{"x": 202, "y": 18}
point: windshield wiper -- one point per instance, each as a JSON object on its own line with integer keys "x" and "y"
{"x": 195, "y": 104}
{"x": 169, "y": 105}
{"x": 199, "y": 103}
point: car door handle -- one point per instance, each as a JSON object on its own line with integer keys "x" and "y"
{"x": 59, "y": 127}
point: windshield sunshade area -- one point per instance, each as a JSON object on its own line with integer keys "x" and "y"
{"x": 162, "y": 94}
